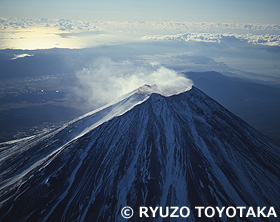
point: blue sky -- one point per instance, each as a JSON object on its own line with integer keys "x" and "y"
{"x": 241, "y": 11}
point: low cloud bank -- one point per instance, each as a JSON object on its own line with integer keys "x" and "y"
{"x": 106, "y": 80}
{"x": 265, "y": 39}
{"x": 21, "y": 56}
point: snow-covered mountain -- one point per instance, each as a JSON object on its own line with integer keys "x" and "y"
{"x": 146, "y": 149}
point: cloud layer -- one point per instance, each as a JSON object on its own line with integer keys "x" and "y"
{"x": 266, "y": 39}
{"x": 76, "y": 25}
{"x": 27, "y": 33}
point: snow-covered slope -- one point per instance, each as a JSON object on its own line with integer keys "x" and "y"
{"x": 144, "y": 150}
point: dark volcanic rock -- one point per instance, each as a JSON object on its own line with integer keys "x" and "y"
{"x": 182, "y": 150}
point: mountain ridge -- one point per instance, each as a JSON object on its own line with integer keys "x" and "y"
{"x": 184, "y": 150}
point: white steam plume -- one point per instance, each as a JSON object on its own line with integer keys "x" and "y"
{"x": 106, "y": 80}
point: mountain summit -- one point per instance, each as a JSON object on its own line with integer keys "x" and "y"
{"x": 144, "y": 150}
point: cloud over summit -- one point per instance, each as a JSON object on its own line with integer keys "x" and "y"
{"x": 106, "y": 80}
